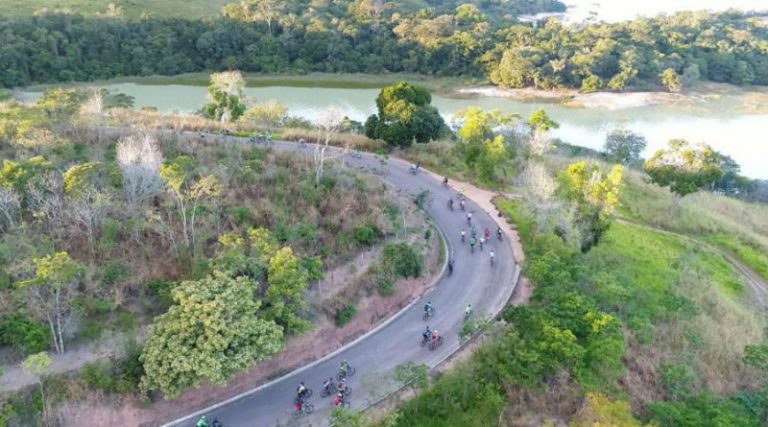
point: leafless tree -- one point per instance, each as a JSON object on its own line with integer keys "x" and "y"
{"x": 9, "y": 204}
{"x": 330, "y": 123}
{"x": 47, "y": 202}
{"x": 540, "y": 143}
{"x": 87, "y": 211}
{"x": 139, "y": 160}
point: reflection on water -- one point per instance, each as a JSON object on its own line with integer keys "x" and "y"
{"x": 734, "y": 124}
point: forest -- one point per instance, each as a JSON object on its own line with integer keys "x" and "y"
{"x": 481, "y": 40}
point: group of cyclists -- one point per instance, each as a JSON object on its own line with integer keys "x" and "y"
{"x": 339, "y": 389}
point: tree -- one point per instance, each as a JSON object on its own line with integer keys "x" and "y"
{"x": 481, "y": 144}
{"x": 187, "y": 196}
{"x": 539, "y": 121}
{"x": 623, "y": 146}
{"x": 254, "y": 11}
{"x": 139, "y": 160}
{"x": 225, "y": 96}
{"x": 412, "y": 375}
{"x": 9, "y": 204}
{"x": 285, "y": 294}
{"x": 330, "y": 122}
{"x": 671, "y": 80}
{"x": 404, "y": 115}
{"x": 266, "y": 115}
{"x": 595, "y": 197}
{"x": 38, "y": 366}
{"x": 52, "y": 291}
{"x": 684, "y": 168}
{"x": 212, "y": 332}
{"x": 601, "y": 411}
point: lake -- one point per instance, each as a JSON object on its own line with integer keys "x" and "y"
{"x": 733, "y": 122}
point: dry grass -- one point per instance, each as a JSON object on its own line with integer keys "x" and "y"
{"x": 345, "y": 140}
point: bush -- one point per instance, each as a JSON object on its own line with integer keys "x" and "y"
{"x": 386, "y": 288}
{"x": 115, "y": 376}
{"x": 366, "y": 235}
{"x": 161, "y": 290}
{"x": 24, "y": 334}
{"x": 241, "y": 215}
{"x": 345, "y": 314}
{"x": 403, "y": 260}
{"x": 112, "y": 272}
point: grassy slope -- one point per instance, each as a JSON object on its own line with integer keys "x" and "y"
{"x": 191, "y": 9}
{"x": 738, "y": 227}
{"x": 680, "y": 304}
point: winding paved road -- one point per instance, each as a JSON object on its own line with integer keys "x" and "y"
{"x": 474, "y": 281}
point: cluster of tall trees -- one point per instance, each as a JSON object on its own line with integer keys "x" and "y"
{"x": 445, "y": 38}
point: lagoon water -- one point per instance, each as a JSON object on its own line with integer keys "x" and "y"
{"x": 733, "y": 123}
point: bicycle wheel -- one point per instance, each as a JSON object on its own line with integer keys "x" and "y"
{"x": 325, "y": 392}
{"x": 308, "y": 393}
{"x": 308, "y": 408}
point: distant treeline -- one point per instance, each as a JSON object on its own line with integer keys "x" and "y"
{"x": 363, "y": 36}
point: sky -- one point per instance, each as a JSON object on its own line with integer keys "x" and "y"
{"x": 620, "y": 10}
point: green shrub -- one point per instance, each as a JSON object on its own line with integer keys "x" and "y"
{"x": 402, "y": 259}
{"x": 386, "y": 288}
{"x": 110, "y": 231}
{"x": 161, "y": 290}
{"x": 112, "y": 272}
{"x": 676, "y": 379}
{"x": 241, "y": 215}
{"x": 366, "y": 235}
{"x": 345, "y": 314}
{"x": 115, "y": 376}
{"x": 24, "y": 334}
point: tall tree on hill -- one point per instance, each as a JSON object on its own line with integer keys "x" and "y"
{"x": 684, "y": 168}
{"x": 404, "y": 115}
{"x": 225, "y": 96}
{"x": 623, "y": 146}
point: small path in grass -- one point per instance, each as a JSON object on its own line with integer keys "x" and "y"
{"x": 757, "y": 286}
{"x": 14, "y": 378}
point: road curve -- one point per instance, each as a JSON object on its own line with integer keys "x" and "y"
{"x": 474, "y": 281}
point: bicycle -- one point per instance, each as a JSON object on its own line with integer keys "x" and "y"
{"x": 435, "y": 343}
{"x": 428, "y": 313}
{"x": 343, "y": 374}
{"x": 302, "y": 409}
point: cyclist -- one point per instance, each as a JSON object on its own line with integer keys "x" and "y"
{"x": 469, "y": 310}
{"x": 463, "y": 235}
{"x": 435, "y": 336}
{"x": 461, "y": 204}
{"x": 472, "y": 242}
{"x": 328, "y": 384}
{"x": 343, "y": 368}
{"x": 498, "y": 233}
{"x": 493, "y": 256}
{"x": 426, "y": 334}
{"x": 301, "y": 389}
{"x": 469, "y": 218}
{"x": 481, "y": 241}
{"x": 473, "y": 231}
{"x": 341, "y": 387}
{"x": 450, "y": 204}
{"x": 202, "y": 422}
{"x": 445, "y": 182}
{"x": 450, "y": 267}
{"x": 487, "y": 234}
{"x": 428, "y": 308}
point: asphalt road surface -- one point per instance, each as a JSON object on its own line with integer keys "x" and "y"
{"x": 474, "y": 281}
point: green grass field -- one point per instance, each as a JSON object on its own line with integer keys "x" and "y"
{"x": 191, "y": 9}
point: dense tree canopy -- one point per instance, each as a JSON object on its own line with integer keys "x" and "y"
{"x": 211, "y": 333}
{"x": 684, "y": 168}
{"x": 363, "y": 36}
{"x": 405, "y": 115}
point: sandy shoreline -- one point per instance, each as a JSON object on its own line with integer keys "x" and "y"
{"x": 572, "y": 98}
